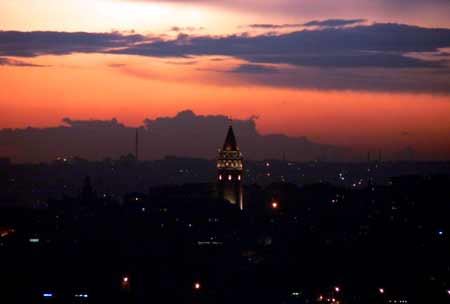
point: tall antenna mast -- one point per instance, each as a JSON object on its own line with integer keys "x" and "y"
{"x": 136, "y": 152}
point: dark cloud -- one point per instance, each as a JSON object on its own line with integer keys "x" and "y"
{"x": 333, "y": 22}
{"x": 274, "y": 26}
{"x": 338, "y": 51}
{"x": 113, "y": 123}
{"x": 19, "y": 63}
{"x": 254, "y": 69}
{"x": 412, "y": 80}
{"x": 367, "y": 45}
{"x": 30, "y": 44}
{"x": 185, "y": 134}
{"x": 190, "y": 62}
{"x": 375, "y": 45}
{"x": 349, "y": 59}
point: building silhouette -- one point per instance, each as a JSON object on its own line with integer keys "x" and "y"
{"x": 230, "y": 171}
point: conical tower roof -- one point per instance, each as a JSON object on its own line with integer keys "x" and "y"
{"x": 230, "y": 142}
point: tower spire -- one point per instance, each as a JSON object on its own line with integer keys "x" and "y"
{"x": 230, "y": 171}
{"x": 230, "y": 141}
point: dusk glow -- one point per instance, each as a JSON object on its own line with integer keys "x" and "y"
{"x": 275, "y": 60}
{"x": 225, "y": 151}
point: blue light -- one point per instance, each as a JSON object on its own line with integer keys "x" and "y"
{"x": 47, "y": 295}
{"x": 440, "y": 232}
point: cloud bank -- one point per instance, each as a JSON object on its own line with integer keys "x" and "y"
{"x": 355, "y": 52}
{"x": 186, "y": 134}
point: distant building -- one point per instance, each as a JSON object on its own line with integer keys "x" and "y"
{"x": 230, "y": 171}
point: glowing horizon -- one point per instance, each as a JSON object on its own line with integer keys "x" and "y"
{"x": 330, "y": 100}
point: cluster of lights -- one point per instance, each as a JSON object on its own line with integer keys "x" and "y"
{"x": 230, "y": 177}
{"x": 336, "y": 290}
{"x": 331, "y": 300}
{"x": 359, "y": 183}
{"x": 229, "y": 164}
{"x": 398, "y": 301}
{"x": 48, "y": 295}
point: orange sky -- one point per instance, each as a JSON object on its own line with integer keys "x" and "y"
{"x": 132, "y": 88}
{"x": 85, "y": 86}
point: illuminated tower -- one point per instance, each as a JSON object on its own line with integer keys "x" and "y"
{"x": 230, "y": 171}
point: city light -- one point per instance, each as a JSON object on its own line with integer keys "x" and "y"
{"x": 381, "y": 290}
{"x": 197, "y": 286}
{"x": 337, "y": 289}
{"x": 274, "y": 205}
{"x": 47, "y": 295}
{"x": 125, "y": 283}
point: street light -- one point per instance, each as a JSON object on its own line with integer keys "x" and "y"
{"x": 125, "y": 282}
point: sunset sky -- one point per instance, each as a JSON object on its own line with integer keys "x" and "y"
{"x": 361, "y": 74}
